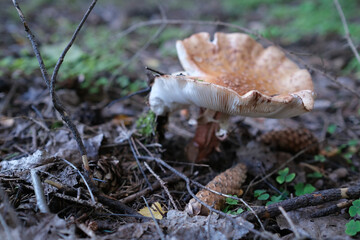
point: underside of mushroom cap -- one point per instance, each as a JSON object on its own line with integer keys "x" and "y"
{"x": 235, "y": 75}
{"x": 170, "y": 93}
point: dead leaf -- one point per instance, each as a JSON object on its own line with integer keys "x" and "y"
{"x": 156, "y": 210}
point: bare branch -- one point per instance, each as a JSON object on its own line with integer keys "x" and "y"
{"x": 346, "y": 29}
{"x": 67, "y": 48}
{"x": 39, "y": 192}
{"x": 84, "y": 179}
{"x": 51, "y": 82}
{"x": 291, "y": 223}
{"x": 162, "y": 184}
{"x": 312, "y": 199}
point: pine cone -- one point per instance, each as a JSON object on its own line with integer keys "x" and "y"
{"x": 228, "y": 182}
{"x": 292, "y": 140}
{"x": 108, "y": 174}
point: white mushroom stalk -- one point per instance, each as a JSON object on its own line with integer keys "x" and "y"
{"x": 234, "y": 75}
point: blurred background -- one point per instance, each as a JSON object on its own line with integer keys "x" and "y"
{"x": 105, "y": 54}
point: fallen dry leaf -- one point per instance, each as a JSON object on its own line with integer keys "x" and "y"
{"x": 156, "y": 210}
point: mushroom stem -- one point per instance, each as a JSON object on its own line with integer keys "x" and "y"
{"x": 211, "y": 129}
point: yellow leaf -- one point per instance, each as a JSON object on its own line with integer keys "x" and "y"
{"x": 155, "y": 208}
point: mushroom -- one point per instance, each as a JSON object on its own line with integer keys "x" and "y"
{"x": 233, "y": 75}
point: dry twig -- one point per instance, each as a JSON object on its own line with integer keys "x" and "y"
{"x": 288, "y": 219}
{"x": 50, "y": 82}
{"x": 84, "y": 179}
{"x": 306, "y": 200}
{"x": 39, "y": 192}
{"x": 162, "y": 184}
{"x": 145, "y": 191}
{"x": 332, "y": 209}
{"x": 346, "y": 29}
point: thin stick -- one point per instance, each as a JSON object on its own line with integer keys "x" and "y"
{"x": 162, "y": 184}
{"x": 39, "y": 192}
{"x": 90, "y": 233}
{"x": 162, "y": 236}
{"x": 145, "y": 46}
{"x": 136, "y": 156}
{"x": 332, "y": 209}
{"x": 50, "y": 83}
{"x": 313, "y": 199}
{"x": 346, "y": 29}
{"x": 145, "y": 191}
{"x": 280, "y": 167}
{"x": 84, "y": 179}
{"x": 288, "y": 219}
{"x": 145, "y": 90}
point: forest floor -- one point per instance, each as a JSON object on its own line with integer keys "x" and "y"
{"x": 107, "y": 62}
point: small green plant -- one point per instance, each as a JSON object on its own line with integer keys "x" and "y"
{"x": 353, "y": 226}
{"x": 261, "y": 194}
{"x": 284, "y": 176}
{"x": 302, "y": 189}
{"x": 355, "y": 208}
{"x": 275, "y": 199}
{"x": 146, "y": 124}
{"x": 231, "y": 206}
{"x": 331, "y": 128}
{"x": 319, "y": 158}
{"x": 314, "y": 175}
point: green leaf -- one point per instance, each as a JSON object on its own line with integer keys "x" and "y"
{"x": 280, "y": 179}
{"x": 264, "y": 196}
{"x": 231, "y": 201}
{"x": 239, "y": 211}
{"x": 301, "y": 189}
{"x": 274, "y": 199}
{"x": 352, "y": 142}
{"x": 352, "y": 227}
{"x": 355, "y": 208}
{"x": 226, "y": 209}
{"x": 284, "y": 172}
{"x": 258, "y": 192}
{"x": 320, "y": 158}
{"x": 314, "y": 175}
{"x": 290, "y": 177}
{"x": 331, "y": 128}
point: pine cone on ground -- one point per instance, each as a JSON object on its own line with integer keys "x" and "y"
{"x": 228, "y": 182}
{"x": 107, "y": 173}
{"x": 292, "y": 140}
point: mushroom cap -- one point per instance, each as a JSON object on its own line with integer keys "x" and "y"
{"x": 235, "y": 75}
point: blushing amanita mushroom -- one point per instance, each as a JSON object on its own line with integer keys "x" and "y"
{"x": 233, "y": 75}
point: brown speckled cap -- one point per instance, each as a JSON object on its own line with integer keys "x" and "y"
{"x": 235, "y": 75}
